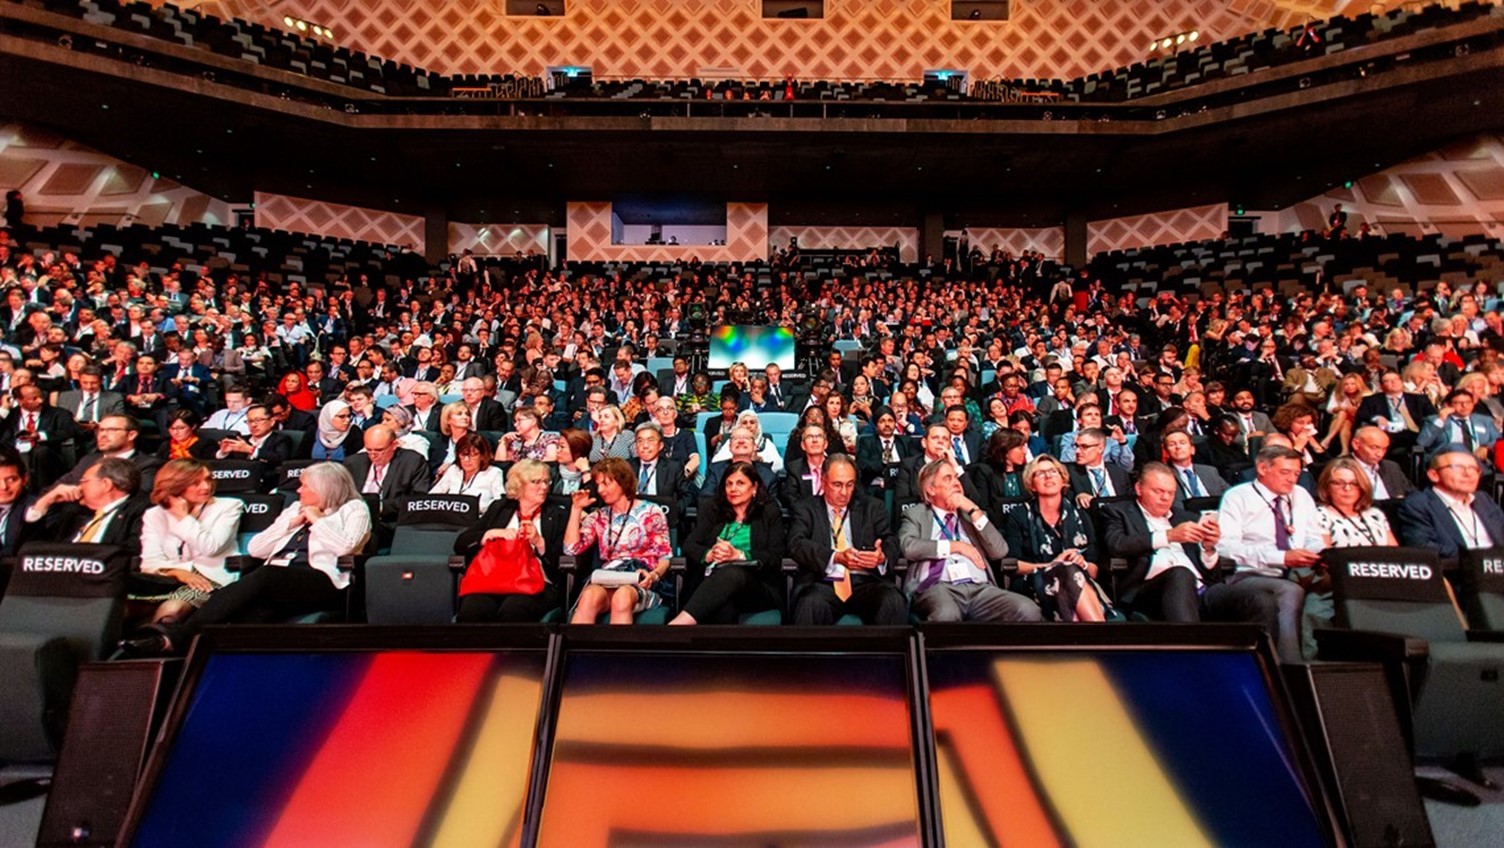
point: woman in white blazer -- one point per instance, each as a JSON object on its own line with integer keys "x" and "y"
{"x": 300, "y": 575}
{"x": 186, "y": 536}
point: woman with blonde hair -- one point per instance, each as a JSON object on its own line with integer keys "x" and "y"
{"x": 186, "y": 536}
{"x": 1056, "y": 547}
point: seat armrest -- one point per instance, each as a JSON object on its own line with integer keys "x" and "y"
{"x": 242, "y": 564}
{"x": 348, "y": 563}
{"x": 1007, "y": 565}
{"x": 1369, "y": 646}
{"x": 677, "y": 566}
{"x": 457, "y": 563}
{"x": 1485, "y": 635}
{"x": 1117, "y": 565}
{"x": 568, "y": 563}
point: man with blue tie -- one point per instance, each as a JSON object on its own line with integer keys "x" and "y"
{"x": 1090, "y": 476}
{"x": 1457, "y": 424}
{"x": 1191, "y": 480}
{"x": 965, "y": 443}
{"x": 1451, "y": 516}
{"x": 950, "y": 543}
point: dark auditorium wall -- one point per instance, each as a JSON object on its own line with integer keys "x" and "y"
{"x": 857, "y": 39}
{"x": 64, "y": 182}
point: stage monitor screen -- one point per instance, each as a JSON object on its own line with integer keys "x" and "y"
{"x": 1136, "y": 747}
{"x": 360, "y": 748}
{"x": 755, "y": 347}
{"x": 666, "y": 749}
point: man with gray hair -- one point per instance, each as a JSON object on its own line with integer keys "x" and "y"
{"x": 950, "y": 544}
{"x": 1269, "y": 529}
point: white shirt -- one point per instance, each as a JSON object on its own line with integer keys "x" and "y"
{"x": 224, "y": 419}
{"x": 1247, "y": 519}
{"x": 957, "y": 569}
{"x": 488, "y": 485}
{"x": 338, "y": 533}
{"x": 1167, "y": 554}
{"x": 1380, "y": 491}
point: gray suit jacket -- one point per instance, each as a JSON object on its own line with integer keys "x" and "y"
{"x": 110, "y": 403}
{"x": 916, "y": 545}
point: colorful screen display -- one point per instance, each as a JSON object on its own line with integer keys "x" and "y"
{"x": 389, "y": 748}
{"x": 1111, "y": 749}
{"x": 755, "y": 347}
{"x": 681, "y": 750}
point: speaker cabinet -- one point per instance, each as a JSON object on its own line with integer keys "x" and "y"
{"x": 1347, "y": 712}
{"x": 115, "y": 710}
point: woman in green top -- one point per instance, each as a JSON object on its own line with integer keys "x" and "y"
{"x": 735, "y": 553}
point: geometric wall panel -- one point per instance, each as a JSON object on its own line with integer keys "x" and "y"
{"x": 1457, "y": 190}
{"x": 906, "y": 239}
{"x": 499, "y": 239}
{"x": 1175, "y": 225}
{"x": 857, "y": 39}
{"x": 1047, "y": 241}
{"x": 589, "y": 237}
{"x": 336, "y": 220}
{"x": 67, "y": 183}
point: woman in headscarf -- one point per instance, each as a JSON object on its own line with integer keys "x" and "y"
{"x": 335, "y": 439}
{"x": 400, "y": 420}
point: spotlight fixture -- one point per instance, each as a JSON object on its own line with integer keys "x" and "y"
{"x": 1174, "y": 41}
{"x": 307, "y": 27}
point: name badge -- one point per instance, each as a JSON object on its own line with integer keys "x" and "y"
{"x": 957, "y": 569}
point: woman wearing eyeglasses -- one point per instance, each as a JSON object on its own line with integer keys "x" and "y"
{"x": 1346, "y": 515}
{"x": 1056, "y": 547}
{"x": 334, "y": 438}
{"x": 524, "y": 511}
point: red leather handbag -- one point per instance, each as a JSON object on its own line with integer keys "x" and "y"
{"x": 504, "y": 567}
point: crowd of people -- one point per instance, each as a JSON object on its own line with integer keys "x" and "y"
{"x": 1028, "y": 447}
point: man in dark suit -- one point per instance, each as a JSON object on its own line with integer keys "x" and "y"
{"x": 1173, "y": 572}
{"x": 879, "y": 454}
{"x": 1397, "y": 412}
{"x": 1091, "y": 478}
{"x": 936, "y": 446}
{"x": 660, "y": 478}
{"x": 147, "y": 392}
{"x": 41, "y": 433}
{"x": 265, "y": 444}
{"x": 743, "y": 449}
{"x": 804, "y": 475}
{"x": 846, "y": 554}
{"x": 388, "y": 471}
{"x": 116, "y": 437}
{"x": 103, "y": 507}
{"x": 485, "y": 413}
{"x": 190, "y": 380}
{"x": 965, "y": 441}
{"x": 321, "y": 383}
{"x": 1451, "y": 516}
{"x": 425, "y": 407}
{"x": 1369, "y": 445}
{"x": 13, "y": 503}
{"x": 1191, "y": 480}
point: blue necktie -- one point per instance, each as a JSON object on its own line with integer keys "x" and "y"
{"x": 1098, "y": 480}
{"x": 955, "y": 445}
{"x": 1191, "y": 486}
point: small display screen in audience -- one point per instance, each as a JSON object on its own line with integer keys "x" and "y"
{"x": 663, "y": 749}
{"x": 755, "y": 347}
{"x": 1133, "y": 748}
{"x": 385, "y": 748}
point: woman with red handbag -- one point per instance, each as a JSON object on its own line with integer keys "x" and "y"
{"x": 513, "y": 552}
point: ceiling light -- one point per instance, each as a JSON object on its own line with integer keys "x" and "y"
{"x": 287, "y": 20}
{"x": 302, "y": 26}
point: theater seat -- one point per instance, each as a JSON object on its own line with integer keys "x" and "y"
{"x": 659, "y": 615}
{"x": 1395, "y": 609}
{"x": 414, "y": 583}
{"x": 51, "y": 622}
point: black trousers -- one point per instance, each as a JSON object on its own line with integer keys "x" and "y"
{"x": 477, "y": 609}
{"x": 728, "y": 593}
{"x": 270, "y": 593}
{"x": 873, "y": 601}
{"x": 1172, "y": 597}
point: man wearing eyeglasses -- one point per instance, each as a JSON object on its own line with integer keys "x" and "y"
{"x": 263, "y": 444}
{"x": 425, "y": 406}
{"x": 1451, "y": 516}
{"x": 116, "y": 437}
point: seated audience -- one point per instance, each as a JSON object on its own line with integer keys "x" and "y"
{"x": 632, "y": 535}
{"x": 660, "y": 478}
{"x": 1456, "y": 423}
{"x": 529, "y": 440}
{"x": 1385, "y": 477}
{"x": 935, "y": 448}
{"x": 185, "y": 537}
{"x": 262, "y": 444}
{"x": 735, "y": 555}
{"x": 115, "y": 436}
{"x": 183, "y": 441}
{"x": 454, "y": 425}
{"x": 743, "y": 449}
{"x": 767, "y": 452}
{"x": 401, "y": 423}
{"x": 950, "y": 543}
{"x": 301, "y": 573}
{"x": 846, "y": 553}
{"x": 1092, "y": 478}
{"x": 611, "y": 439}
{"x": 334, "y": 438}
{"x": 525, "y": 509}
{"x": 572, "y": 471}
{"x": 103, "y": 507}
{"x": 1192, "y": 480}
{"x": 678, "y": 443}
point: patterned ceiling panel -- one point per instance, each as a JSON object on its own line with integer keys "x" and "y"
{"x": 851, "y": 238}
{"x": 498, "y": 239}
{"x": 1049, "y": 241}
{"x": 316, "y": 217}
{"x": 1457, "y": 190}
{"x": 1175, "y": 225}
{"x": 67, "y": 183}
{"x": 857, "y": 39}
{"x": 589, "y": 237}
